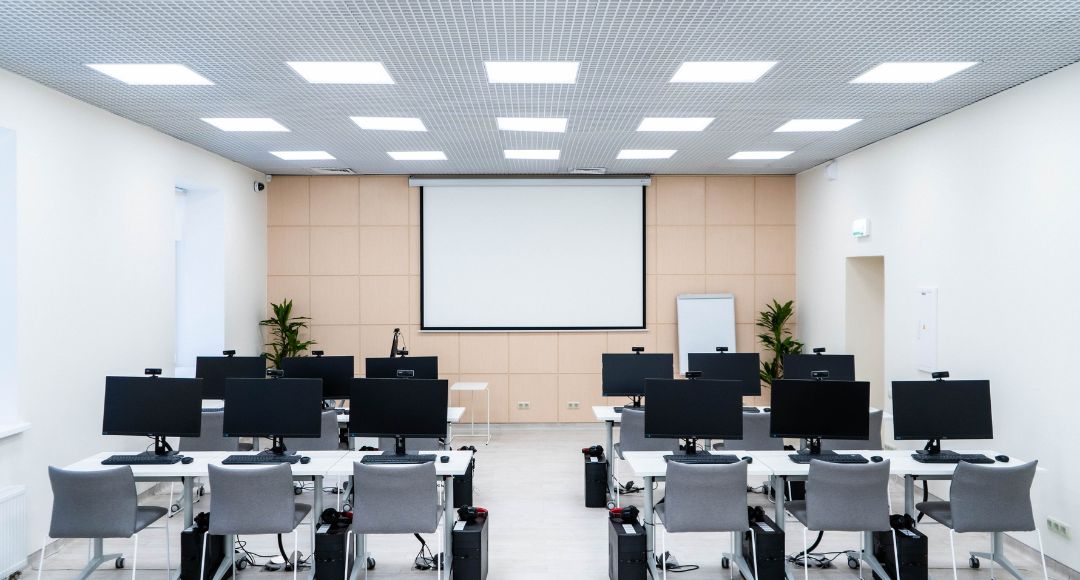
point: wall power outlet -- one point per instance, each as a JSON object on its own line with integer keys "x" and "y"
{"x": 1058, "y": 527}
{"x": 523, "y": 405}
{"x": 573, "y": 405}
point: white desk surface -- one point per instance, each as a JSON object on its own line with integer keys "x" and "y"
{"x": 458, "y": 464}
{"x": 652, "y": 464}
{"x": 900, "y": 462}
{"x": 607, "y": 413}
{"x": 453, "y": 415}
{"x": 321, "y": 462}
{"x": 469, "y": 386}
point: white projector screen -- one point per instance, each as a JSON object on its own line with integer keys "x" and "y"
{"x": 532, "y": 256}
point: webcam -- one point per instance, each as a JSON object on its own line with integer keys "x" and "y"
{"x": 318, "y": 352}
{"x": 229, "y": 352}
{"x": 819, "y": 350}
{"x": 637, "y": 349}
{"x": 693, "y": 374}
{"x": 406, "y": 373}
{"x": 721, "y": 349}
{"x": 940, "y": 375}
{"x": 152, "y": 372}
{"x": 275, "y": 373}
{"x": 819, "y": 374}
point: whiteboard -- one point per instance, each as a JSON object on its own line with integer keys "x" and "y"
{"x": 706, "y": 321}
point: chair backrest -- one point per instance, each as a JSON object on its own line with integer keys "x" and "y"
{"x": 395, "y": 499}
{"x": 705, "y": 498}
{"x": 93, "y": 504}
{"x": 755, "y": 434}
{"x": 632, "y": 434}
{"x": 988, "y": 498}
{"x": 847, "y": 497}
{"x": 330, "y": 438}
{"x": 252, "y": 500}
{"x": 874, "y": 442}
{"x": 412, "y": 444}
{"x": 210, "y": 435}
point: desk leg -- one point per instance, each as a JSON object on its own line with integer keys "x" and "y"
{"x": 869, "y": 557}
{"x": 316, "y": 511}
{"x": 998, "y": 546}
{"x": 448, "y": 525}
{"x": 187, "y": 500}
{"x": 650, "y": 529}
{"x": 97, "y": 558}
{"x": 487, "y": 395}
{"x": 909, "y": 495}
{"x": 609, "y": 426}
{"x": 779, "y": 486}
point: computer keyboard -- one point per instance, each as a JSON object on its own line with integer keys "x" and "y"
{"x": 397, "y": 459}
{"x": 951, "y": 458}
{"x": 703, "y": 459}
{"x": 751, "y": 410}
{"x": 260, "y": 458}
{"x": 830, "y": 458}
{"x": 141, "y": 460}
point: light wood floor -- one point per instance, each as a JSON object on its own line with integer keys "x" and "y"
{"x": 531, "y": 480}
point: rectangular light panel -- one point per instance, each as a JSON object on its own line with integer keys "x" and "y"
{"x": 674, "y": 123}
{"x": 417, "y": 155}
{"x": 532, "y": 72}
{"x": 531, "y": 153}
{"x": 751, "y": 155}
{"x": 302, "y": 155}
{"x": 389, "y": 123}
{"x": 646, "y": 153}
{"x": 535, "y": 124}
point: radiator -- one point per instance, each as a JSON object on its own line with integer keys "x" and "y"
{"x": 13, "y": 525}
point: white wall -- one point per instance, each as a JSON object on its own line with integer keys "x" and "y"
{"x": 983, "y": 204}
{"x": 9, "y": 394}
{"x": 96, "y": 268}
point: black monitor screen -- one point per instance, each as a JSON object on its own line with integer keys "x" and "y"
{"x": 624, "y": 374}
{"x": 398, "y": 408}
{"x": 827, "y": 409}
{"x": 213, "y": 370}
{"x": 153, "y": 406}
{"x": 942, "y": 410}
{"x": 841, "y": 367}
{"x": 425, "y": 367}
{"x": 696, "y": 408}
{"x": 744, "y": 367}
{"x": 335, "y": 372}
{"x": 273, "y": 408}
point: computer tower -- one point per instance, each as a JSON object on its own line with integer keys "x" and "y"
{"x": 911, "y": 545}
{"x": 330, "y": 547}
{"x": 596, "y": 470}
{"x": 469, "y": 542}
{"x": 626, "y": 550}
{"x": 463, "y": 485}
{"x": 770, "y": 549}
{"x": 191, "y": 550}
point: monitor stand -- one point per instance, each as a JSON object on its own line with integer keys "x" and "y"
{"x": 277, "y": 447}
{"x": 635, "y": 403}
{"x": 399, "y": 446}
{"x": 161, "y": 448}
{"x": 813, "y": 448}
{"x": 933, "y": 447}
{"x": 689, "y": 446}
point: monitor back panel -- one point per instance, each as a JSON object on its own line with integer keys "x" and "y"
{"x": 152, "y": 406}
{"x": 697, "y": 408}
{"x": 398, "y": 407}
{"x": 273, "y": 407}
{"x": 624, "y": 374}
{"x": 744, "y": 367}
{"x": 213, "y": 370}
{"x": 334, "y": 371}
{"x": 942, "y": 410}
{"x": 829, "y": 409}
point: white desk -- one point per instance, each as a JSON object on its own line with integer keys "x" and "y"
{"x": 651, "y": 466}
{"x": 321, "y": 462}
{"x": 472, "y": 418}
{"x": 458, "y": 465}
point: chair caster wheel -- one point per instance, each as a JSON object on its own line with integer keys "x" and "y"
{"x": 371, "y": 563}
{"x": 297, "y": 490}
{"x": 242, "y": 563}
{"x": 725, "y": 563}
{"x": 973, "y": 562}
{"x": 610, "y": 505}
{"x": 119, "y": 562}
{"x": 852, "y": 563}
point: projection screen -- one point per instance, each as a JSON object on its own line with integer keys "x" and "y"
{"x": 532, "y": 254}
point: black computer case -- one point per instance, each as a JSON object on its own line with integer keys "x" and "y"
{"x": 469, "y": 542}
{"x": 911, "y": 545}
{"x": 463, "y": 485}
{"x": 191, "y": 551}
{"x": 770, "y": 549}
{"x": 330, "y": 547}
{"x": 626, "y": 550}
{"x": 596, "y": 470}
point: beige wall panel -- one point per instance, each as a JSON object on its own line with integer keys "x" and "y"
{"x": 729, "y": 200}
{"x": 774, "y": 200}
{"x": 729, "y": 250}
{"x": 414, "y": 206}
{"x": 484, "y": 353}
{"x": 445, "y": 345}
{"x": 680, "y": 200}
{"x": 745, "y": 338}
{"x": 335, "y": 251}
{"x": 769, "y": 288}
{"x": 668, "y": 287}
{"x": 623, "y": 341}
{"x": 680, "y": 249}
{"x": 541, "y": 392}
{"x": 384, "y": 250}
{"x": 375, "y": 341}
{"x": 384, "y": 300}
{"x": 335, "y": 201}
{"x": 584, "y": 389}
{"x": 667, "y": 338}
{"x": 287, "y": 201}
{"x": 579, "y": 352}
{"x": 743, "y": 289}
{"x": 414, "y": 300}
{"x": 295, "y": 288}
{"x": 414, "y": 250}
{"x": 287, "y": 251}
{"x": 774, "y": 250}
{"x": 384, "y": 200}
{"x": 534, "y": 352}
{"x": 335, "y": 300}
{"x": 338, "y": 340}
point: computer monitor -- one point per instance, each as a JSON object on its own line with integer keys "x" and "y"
{"x": 334, "y": 371}
{"x": 936, "y": 410}
{"x": 398, "y": 408}
{"x": 156, "y": 407}
{"x": 820, "y": 409}
{"x": 624, "y": 374}
{"x": 274, "y": 408}
{"x": 693, "y": 409}
{"x": 744, "y": 367}
{"x": 841, "y": 367}
{"x": 213, "y": 370}
{"x": 425, "y": 367}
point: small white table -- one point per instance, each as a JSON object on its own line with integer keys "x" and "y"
{"x": 472, "y": 418}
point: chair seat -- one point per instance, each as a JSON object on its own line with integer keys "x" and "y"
{"x": 146, "y": 515}
{"x": 939, "y": 511}
{"x": 797, "y": 509}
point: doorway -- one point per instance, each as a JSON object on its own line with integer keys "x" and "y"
{"x": 864, "y": 322}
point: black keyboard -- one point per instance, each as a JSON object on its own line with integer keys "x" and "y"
{"x": 830, "y": 458}
{"x": 260, "y": 458}
{"x": 751, "y": 410}
{"x": 141, "y": 460}
{"x": 397, "y": 459}
{"x": 951, "y": 458}
{"x": 703, "y": 459}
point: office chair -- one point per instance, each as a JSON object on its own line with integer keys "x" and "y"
{"x": 329, "y": 438}
{"x": 210, "y": 435}
{"x": 846, "y": 498}
{"x": 235, "y": 510}
{"x": 705, "y": 498}
{"x": 755, "y": 429}
{"x": 100, "y": 504}
{"x": 985, "y": 498}
{"x": 393, "y": 499}
{"x": 874, "y": 442}
{"x": 632, "y": 438}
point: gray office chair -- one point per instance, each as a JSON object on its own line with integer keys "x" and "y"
{"x": 273, "y": 509}
{"x": 330, "y": 438}
{"x": 210, "y": 435}
{"x": 392, "y": 499}
{"x": 100, "y": 504}
{"x": 985, "y": 498}
{"x": 632, "y": 438}
{"x": 847, "y": 444}
{"x": 705, "y": 498}
{"x": 755, "y": 429}
{"x": 412, "y": 444}
{"x": 846, "y": 498}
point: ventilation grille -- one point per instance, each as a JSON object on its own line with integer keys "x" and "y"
{"x": 333, "y": 171}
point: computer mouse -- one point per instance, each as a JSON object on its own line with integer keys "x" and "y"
{"x": 876, "y": 459}
{"x": 186, "y": 460}
{"x": 1002, "y": 458}
{"x": 747, "y": 459}
{"x": 305, "y": 460}
{"x": 445, "y": 459}
{"x": 766, "y": 410}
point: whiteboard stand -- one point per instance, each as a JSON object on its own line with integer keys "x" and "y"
{"x": 706, "y": 321}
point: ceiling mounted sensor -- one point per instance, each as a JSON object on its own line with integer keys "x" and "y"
{"x": 589, "y": 171}
{"x": 333, "y": 171}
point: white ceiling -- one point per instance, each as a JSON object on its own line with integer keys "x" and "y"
{"x": 628, "y": 50}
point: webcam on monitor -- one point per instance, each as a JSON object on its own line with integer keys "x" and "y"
{"x": 693, "y": 374}
{"x": 819, "y": 350}
{"x": 229, "y": 353}
{"x": 721, "y": 349}
{"x": 317, "y": 353}
{"x": 152, "y": 372}
{"x": 637, "y": 349}
{"x": 939, "y": 375}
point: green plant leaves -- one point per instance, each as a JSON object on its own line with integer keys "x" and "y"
{"x": 284, "y": 331}
{"x": 776, "y": 339}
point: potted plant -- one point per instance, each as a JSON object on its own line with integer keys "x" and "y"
{"x": 285, "y": 333}
{"x": 776, "y": 339}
